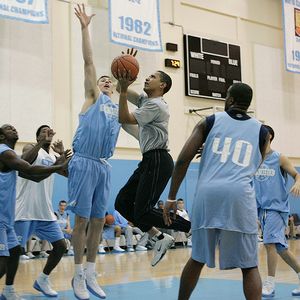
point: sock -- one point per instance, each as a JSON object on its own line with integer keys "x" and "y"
{"x": 117, "y": 242}
{"x": 43, "y": 275}
{"x": 90, "y": 267}
{"x": 78, "y": 269}
{"x": 9, "y": 287}
{"x": 271, "y": 279}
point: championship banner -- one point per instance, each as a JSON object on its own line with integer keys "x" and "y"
{"x": 32, "y": 11}
{"x": 291, "y": 27}
{"x": 135, "y": 23}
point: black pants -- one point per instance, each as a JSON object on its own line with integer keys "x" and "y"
{"x": 136, "y": 200}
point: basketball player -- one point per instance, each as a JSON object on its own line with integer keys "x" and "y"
{"x": 10, "y": 249}
{"x": 34, "y": 211}
{"x": 224, "y": 209}
{"x": 89, "y": 171}
{"x": 273, "y": 211}
{"x": 138, "y": 197}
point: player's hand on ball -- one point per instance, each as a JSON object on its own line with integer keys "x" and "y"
{"x": 124, "y": 80}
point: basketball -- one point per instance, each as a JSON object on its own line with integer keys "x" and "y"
{"x": 109, "y": 220}
{"x": 124, "y": 63}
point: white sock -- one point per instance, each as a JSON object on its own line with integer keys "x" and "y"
{"x": 43, "y": 275}
{"x": 90, "y": 267}
{"x": 117, "y": 242}
{"x": 9, "y": 287}
{"x": 78, "y": 269}
{"x": 271, "y": 279}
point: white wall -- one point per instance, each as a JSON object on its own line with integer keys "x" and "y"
{"x": 253, "y": 24}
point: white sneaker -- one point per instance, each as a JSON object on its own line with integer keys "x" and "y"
{"x": 101, "y": 250}
{"x": 296, "y": 292}
{"x": 43, "y": 254}
{"x": 70, "y": 252}
{"x": 24, "y": 257}
{"x": 30, "y": 255}
{"x": 268, "y": 289}
{"x": 189, "y": 242}
{"x": 161, "y": 247}
{"x": 93, "y": 286}
{"x": 79, "y": 287}
{"x": 42, "y": 284}
{"x": 10, "y": 294}
{"x": 130, "y": 249}
{"x": 118, "y": 249}
{"x": 140, "y": 248}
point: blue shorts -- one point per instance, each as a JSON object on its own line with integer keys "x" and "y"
{"x": 44, "y": 230}
{"x": 8, "y": 239}
{"x": 236, "y": 249}
{"x": 89, "y": 187}
{"x": 273, "y": 224}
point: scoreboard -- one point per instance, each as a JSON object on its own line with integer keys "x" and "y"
{"x": 210, "y": 67}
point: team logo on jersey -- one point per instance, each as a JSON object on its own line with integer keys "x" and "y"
{"x": 264, "y": 172}
{"x": 110, "y": 111}
{"x": 2, "y": 247}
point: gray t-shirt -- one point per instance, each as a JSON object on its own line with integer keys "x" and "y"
{"x": 152, "y": 116}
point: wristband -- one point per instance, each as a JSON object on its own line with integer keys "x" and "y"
{"x": 169, "y": 200}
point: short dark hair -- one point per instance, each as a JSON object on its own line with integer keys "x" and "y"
{"x": 180, "y": 199}
{"x": 241, "y": 93}
{"x": 39, "y": 130}
{"x": 271, "y": 131}
{"x": 103, "y": 76}
{"x": 164, "y": 77}
{"x": 62, "y": 201}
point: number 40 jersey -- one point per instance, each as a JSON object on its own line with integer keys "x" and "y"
{"x": 224, "y": 196}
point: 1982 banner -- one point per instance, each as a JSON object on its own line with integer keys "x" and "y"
{"x": 33, "y": 11}
{"x": 135, "y": 23}
{"x": 291, "y": 17}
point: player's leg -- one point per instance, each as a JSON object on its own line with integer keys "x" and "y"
{"x": 203, "y": 252}
{"x": 252, "y": 284}
{"x": 51, "y": 232}
{"x": 82, "y": 182}
{"x": 97, "y": 219}
{"x": 189, "y": 278}
{"x": 273, "y": 228}
{"x": 239, "y": 250}
{"x": 9, "y": 261}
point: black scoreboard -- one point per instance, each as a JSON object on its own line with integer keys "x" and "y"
{"x": 210, "y": 67}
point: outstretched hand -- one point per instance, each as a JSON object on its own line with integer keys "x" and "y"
{"x": 58, "y": 147}
{"x": 64, "y": 158}
{"x": 131, "y": 51}
{"x": 82, "y": 16}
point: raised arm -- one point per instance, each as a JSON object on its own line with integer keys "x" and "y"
{"x": 188, "y": 152}
{"x": 287, "y": 166}
{"x": 90, "y": 78}
{"x": 11, "y": 160}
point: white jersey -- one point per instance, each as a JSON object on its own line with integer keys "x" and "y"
{"x": 183, "y": 213}
{"x": 34, "y": 199}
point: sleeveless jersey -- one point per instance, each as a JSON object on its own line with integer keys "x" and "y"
{"x": 62, "y": 219}
{"x": 34, "y": 199}
{"x": 224, "y": 196}
{"x": 98, "y": 129}
{"x": 7, "y": 193}
{"x": 270, "y": 185}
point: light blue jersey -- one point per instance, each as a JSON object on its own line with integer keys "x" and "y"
{"x": 98, "y": 129}
{"x": 224, "y": 197}
{"x": 270, "y": 185}
{"x": 7, "y": 194}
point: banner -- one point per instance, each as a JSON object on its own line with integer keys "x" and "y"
{"x": 135, "y": 23}
{"x": 33, "y": 11}
{"x": 291, "y": 27}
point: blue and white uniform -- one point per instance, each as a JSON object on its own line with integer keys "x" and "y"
{"x": 272, "y": 200}
{"x": 62, "y": 220}
{"x": 8, "y": 238}
{"x": 224, "y": 208}
{"x": 34, "y": 211}
{"x": 89, "y": 171}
